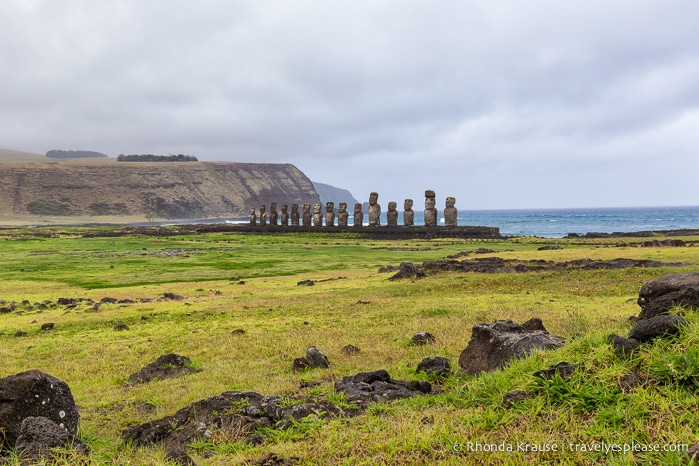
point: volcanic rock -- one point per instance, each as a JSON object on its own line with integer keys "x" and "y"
{"x": 493, "y": 345}
{"x": 35, "y": 394}
{"x": 166, "y": 366}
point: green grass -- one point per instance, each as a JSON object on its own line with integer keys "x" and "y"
{"x": 232, "y": 281}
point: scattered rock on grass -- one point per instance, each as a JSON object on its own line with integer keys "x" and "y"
{"x": 165, "y": 367}
{"x": 658, "y": 296}
{"x": 493, "y": 345}
{"x": 655, "y": 327}
{"x": 423, "y": 338}
{"x": 35, "y": 394}
{"x": 39, "y": 435}
{"x": 563, "y": 369}
{"x": 47, "y": 326}
{"x": 366, "y": 387}
{"x": 314, "y": 358}
{"x": 350, "y": 349}
{"x": 438, "y": 366}
{"x": 120, "y": 327}
{"x": 624, "y": 348}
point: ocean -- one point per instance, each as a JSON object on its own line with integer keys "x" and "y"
{"x": 556, "y": 223}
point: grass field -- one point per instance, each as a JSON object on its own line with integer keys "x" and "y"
{"x": 249, "y": 282}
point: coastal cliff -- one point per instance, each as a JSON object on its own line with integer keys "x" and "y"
{"x": 154, "y": 190}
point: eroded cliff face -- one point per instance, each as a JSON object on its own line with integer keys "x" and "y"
{"x": 156, "y": 190}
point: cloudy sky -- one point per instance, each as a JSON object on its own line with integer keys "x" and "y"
{"x": 500, "y": 103}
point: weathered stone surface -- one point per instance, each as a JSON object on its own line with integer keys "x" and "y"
{"x": 263, "y": 215}
{"x": 350, "y": 350}
{"x": 655, "y": 327}
{"x": 358, "y": 215}
{"x": 563, "y": 369}
{"x": 493, "y": 345}
{"x": 422, "y": 338}
{"x": 631, "y": 380}
{"x": 38, "y": 435}
{"x": 317, "y": 216}
{"x": 314, "y": 358}
{"x": 434, "y": 366}
{"x": 285, "y": 215}
{"x": 430, "y": 213}
{"x": 253, "y": 217}
{"x": 342, "y": 215}
{"x": 624, "y": 347}
{"x": 235, "y": 414}
{"x": 35, "y": 394}
{"x": 513, "y": 396}
{"x": 374, "y": 210}
{"x": 295, "y": 215}
{"x": 408, "y": 213}
{"x": 366, "y": 387}
{"x": 408, "y": 270}
{"x": 676, "y": 289}
{"x": 306, "y": 217}
{"x": 392, "y": 214}
{"x": 450, "y": 212}
{"x": 329, "y": 214}
{"x": 166, "y": 366}
{"x": 273, "y": 214}
{"x": 687, "y": 297}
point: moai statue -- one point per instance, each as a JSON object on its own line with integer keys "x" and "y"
{"x": 317, "y": 216}
{"x": 329, "y": 214}
{"x": 358, "y": 215}
{"x": 273, "y": 214}
{"x": 307, "y": 215}
{"x": 408, "y": 213}
{"x": 392, "y": 214}
{"x": 431, "y": 213}
{"x": 450, "y": 212}
{"x": 374, "y": 210}
{"x": 294, "y": 215}
{"x": 253, "y": 217}
{"x": 263, "y": 215}
{"x": 342, "y": 215}
{"x": 285, "y": 215}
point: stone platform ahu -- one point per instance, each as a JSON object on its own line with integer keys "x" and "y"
{"x": 337, "y": 219}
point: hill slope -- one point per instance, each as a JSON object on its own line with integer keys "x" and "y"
{"x": 156, "y": 190}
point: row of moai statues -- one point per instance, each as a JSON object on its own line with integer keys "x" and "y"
{"x": 306, "y": 218}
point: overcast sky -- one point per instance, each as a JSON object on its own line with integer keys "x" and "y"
{"x": 500, "y": 103}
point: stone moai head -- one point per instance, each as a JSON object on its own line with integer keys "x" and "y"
{"x": 392, "y": 205}
{"x": 329, "y": 207}
{"x": 262, "y": 208}
{"x": 358, "y": 207}
{"x": 307, "y": 208}
{"x": 373, "y": 198}
{"x": 342, "y": 207}
{"x": 252, "y": 211}
{"x": 408, "y": 204}
{"x": 294, "y": 207}
{"x": 451, "y": 201}
{"x": 285, "y": 207}
{"x": 316, "y": 208}
{"x": 429, "y": 203}
{"x": 272, "y": 206}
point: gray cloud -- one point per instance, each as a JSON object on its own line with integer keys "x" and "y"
{"x": 503, "y": 104}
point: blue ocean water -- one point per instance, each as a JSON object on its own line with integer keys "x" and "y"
{"x": 555, "y": 223}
